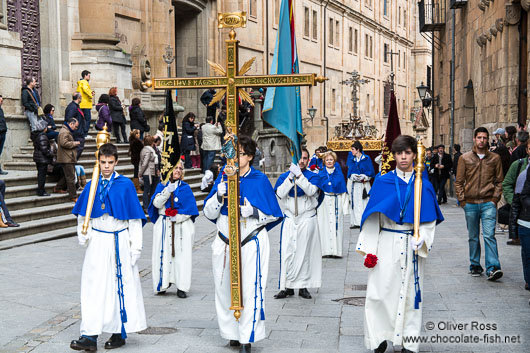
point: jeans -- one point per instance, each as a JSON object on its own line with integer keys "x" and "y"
{"x": 2, "y": 141}
{"x": 486, "y": 213}
{"x": 42, "y": 169}
{"x": 136, "y": 170}
{"x": 187, "y": 159}
{"x": 209, "y": 157}
{"x": 2, "y": 203}
{"x": 88, "y": 118}
{"x": 524, "y": 236}
{"x": 52, "y": 135}
{"x": 150, "y": 184}
{"x": 32, "y": 118}
{"x": 439, "y": 187}
{"x": 116, "y": 128}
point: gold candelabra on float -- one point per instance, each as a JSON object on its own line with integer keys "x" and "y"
{"x": 102, "y": 138}
{"x": 419, "y": 167}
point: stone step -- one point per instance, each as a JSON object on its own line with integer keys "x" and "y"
{"x": 38, "y": 225}
{"x": 87, "y": 151}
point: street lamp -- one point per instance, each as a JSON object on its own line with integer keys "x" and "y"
{"x": 422, "y": 91}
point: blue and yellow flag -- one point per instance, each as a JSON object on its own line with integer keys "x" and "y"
{"x": 282, "y": 108}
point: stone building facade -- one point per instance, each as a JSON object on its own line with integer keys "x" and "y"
{"x": 491, "y": 68}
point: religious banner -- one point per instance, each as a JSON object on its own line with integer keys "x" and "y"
{"x": 170, "y": 142}
{"x": 393, "y": 130}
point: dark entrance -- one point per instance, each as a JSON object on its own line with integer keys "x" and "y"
{"x": 23, "y": 17}
{"x": 523, "y": 68}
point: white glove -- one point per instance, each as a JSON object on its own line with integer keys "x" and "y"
{"x": 135, "y": 255}
{"x": 291, "y": 175}
{"x": 295, "y": 169}
{"x": 221, "y": 189}
{"x": 171, "y": 187}
{"x": 364, "y": 177}
{"x": 356, "y": 177}
{"x": 262, "y": 163}
{"x": 247, "y": 209}
{"x": 83, "y": 240}
{"x": 416, "y": 244}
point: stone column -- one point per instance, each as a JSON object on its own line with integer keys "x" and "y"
{"x": 96, "y": 26}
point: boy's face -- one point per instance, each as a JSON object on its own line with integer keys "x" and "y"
{"x": 107, "y": 165}
{"x": 404, "y": 159}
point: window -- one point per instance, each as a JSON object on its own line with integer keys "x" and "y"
{"x": 277, "y": 11}
{"x": 315, "y": 25}
{"x": 366, "y": 45}
{"x": 405, "y": 19}
{"x": 367, "y": 103}
{"x": 252, "y": 8}
{"x": 306, "y": 21}
{"x": 386, "y": 90}
{"x": 385, "y": 7}
{"x": 371, "y": 47}
{"x": 399, "y": 16}
{"x": 337, "y": 34}
{"x": 330, "y": 40}
{"x": 404, "y": 61}
{"x": 429, "y": 73}
{"x": 399, "y": 58}
{"x": 369, "y": 3}
{"x": 356, "y": 42}
{"x": 333, "y": 100}
{"x": 385, "y": 53}
{"x": 350, "y": 39}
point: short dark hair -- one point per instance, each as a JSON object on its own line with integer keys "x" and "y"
{"x": 72, "y": 120}
{"x": 483, "y": 129}
{"x": 136, "y": 101}
{"x": 441, "y": 145}
{"x": 84, "y": 73}
{"x": 209, "y": 119}
{"x": 522, "y": 136}
{"x": 248, "y": 146}
{"x": 108, "y": 150}
{"x": 306, "y": 151}
{"x": 29, "y": 80}
{"x": 47, "y": 108}
{"x": 104, "y": 98}
{"x": 456, "y": 147}
{"x": 157, "y": 138}
{"x": 511, "y": 130}
{"x": 76, "y": 96}
{"x": 357, "y": 145}
{"x": 404, "y": 142}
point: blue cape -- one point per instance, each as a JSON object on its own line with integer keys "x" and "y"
{"x": 364, "y": 166}
{"x": 256, "y": 187}
{"x": 186, "y": 203}
{"x": 313, "y": 178}
{"x": 384, "y": 199}
{"x": 338, "y": 184}
{"x": 121, "y": 202}
{"x": 315, "y": 161}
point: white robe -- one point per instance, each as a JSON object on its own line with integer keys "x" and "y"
{"x": 330, "y": 216}
{"x": 230, "y": 328}
{"x": 355, "y": 194}
{"x": 100, "y": 308}
{"x": 389, "y": 309}
{"x": 176, "y": 270}
{"x": 300, "y": 253}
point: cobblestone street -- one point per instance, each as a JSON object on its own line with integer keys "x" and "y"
{"x": 40, "y": 283}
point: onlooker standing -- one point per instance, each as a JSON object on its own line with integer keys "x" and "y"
{"x": 135, "y": 147}
{"x": 42, "y": 155}
{"x": 116, "y": 113}
{"x": 137, "y": 117}
{"x": 148, "y": 169}
{"x": 66, "y": 156}
{"x": 87, "y": 94}
{"x": 211, "y": 141}
{"x": 3, "y": 131}
{"x": 206, "y": 98}
{"x": 441, "y": 164}
{"x": 187, "y": 141}
{"x": 499, "y": 134}
{"x": 158, "y": 142}
{"x": 103, "y": 113}
{"x": 520, "y": 151}
{"x": 509, "y": 137}
{"x": 31, "y": 101}
{"x": 456, "y": 157}
{"x": 195, "y": 154}
{"x": 51, "y": 132}
{"x": 73, "y": 110}
{"x": 478, "y": 188}
{"x": 9, "y": 221}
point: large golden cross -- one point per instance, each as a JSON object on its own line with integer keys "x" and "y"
{"x": 231, "y": 83}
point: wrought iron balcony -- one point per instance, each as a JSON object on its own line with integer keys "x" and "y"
{"x": 432, "y": 15}
{"x": 458, "y": 4}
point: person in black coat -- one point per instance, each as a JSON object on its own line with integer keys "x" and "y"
{"x": 74, "y": 111}
{"x": 3, "y": 131}
{"x": 187, "y": 141}
{"x": 520, "y": 151}
{"x": 441, "y": 165}
{"x": 51, "y": 132}
{"x": 206, "y": 98}
{"x": 42, "y": 155}
{"x": 116, "y": 113}
{"x": 137, "y": 117}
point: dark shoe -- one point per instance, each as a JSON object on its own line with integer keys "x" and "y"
{"x": 476, "y": 271}
{"x": 284, "y": 294}
{"x": 181, "y": 294}
{"x": 3, "y": 172}
{"x": 513, "y": 242}
{"x": 43, "y": 194}
{"x": 114, "y": 341}
{"x": 12, "y": 224}
{"x": 381, "y": 348}
{"x": 494, "y": 275}
{"x": 59, "y": 191}
{"x": 304, "y": 293}
{"x": 405, "y": 350}
{"x": 526, "y": 286}
{"x": 234, "y": 343}
{"x": 245, "y": 348}
{"x": 85, "y": 343}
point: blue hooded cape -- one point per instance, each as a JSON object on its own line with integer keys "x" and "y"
{"x": 338, "y": 184}
{"x": 384, "y": 199}
{"x": 313, "y": 178}
{"x": 364, "y": 166}
{"x": 315, "y": 161}
{"x": 121, "y": 202}
{"x": 186, "y": 203}
{"x": 256, "y": 187}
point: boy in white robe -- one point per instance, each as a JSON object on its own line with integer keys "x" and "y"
{"x": 111, "y": 293}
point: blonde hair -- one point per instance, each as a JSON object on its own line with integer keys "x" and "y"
{"x": 329, "y": 153}
{"x": 183, "y": 170}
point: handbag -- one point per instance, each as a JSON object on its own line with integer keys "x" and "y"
{"x": 40, "y": 111}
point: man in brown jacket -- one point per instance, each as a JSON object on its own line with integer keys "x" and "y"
{"x": 478, "y": 188}
{"x": 66, "y": 156}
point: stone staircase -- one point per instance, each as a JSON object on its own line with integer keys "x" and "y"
{"x": 44, "y": 218}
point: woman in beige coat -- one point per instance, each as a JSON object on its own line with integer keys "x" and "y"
{"x": 148, "y": 171}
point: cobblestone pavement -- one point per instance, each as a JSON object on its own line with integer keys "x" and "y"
{"x": 39, "y": 301}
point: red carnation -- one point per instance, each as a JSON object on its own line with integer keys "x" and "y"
{"x": 313, "y": 167}
{"x": 171, "y": 212}
{"x": 370, "y": 261}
